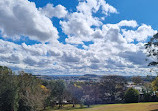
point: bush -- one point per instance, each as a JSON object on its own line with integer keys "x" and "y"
{"x": 131, "y": 96}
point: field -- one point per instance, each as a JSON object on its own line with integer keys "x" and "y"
{"x": 153, "y": 106}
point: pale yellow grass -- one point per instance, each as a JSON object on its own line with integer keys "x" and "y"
{"x": 153, "y": 106}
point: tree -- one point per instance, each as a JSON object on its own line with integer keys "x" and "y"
{"x": 57, "y": 92}
{"x": 155, "y": 84}
{"x": 31, "y": 94}
{"x": 148, "y": 93}
{"x": 76, "y": 92}
{"x": 152, "y": 54}
{"x": 112, "y": 88}
{"x": 152, "y": 50}
{"x": 131, "y": 96}
{"x": 90, "y": 93}
{"x": 7, "y": 89}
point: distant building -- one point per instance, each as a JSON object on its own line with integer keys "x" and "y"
{"x": 140, "y": 88}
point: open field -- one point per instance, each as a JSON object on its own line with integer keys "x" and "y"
{"x": 153, "y": 106}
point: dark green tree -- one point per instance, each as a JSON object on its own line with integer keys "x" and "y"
{"x": 112, "y": 88}
{"x": 31, "y": 94}
{"x": 131, "y": 96}
{"x": 152, "y": 50}
{"x": 7, "y": 89}
{"x": 57, "y": 93}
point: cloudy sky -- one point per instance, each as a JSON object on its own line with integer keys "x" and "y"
{"x": 77, "y": 36}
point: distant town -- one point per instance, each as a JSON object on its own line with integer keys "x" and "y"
{"x": 87, "y": 77}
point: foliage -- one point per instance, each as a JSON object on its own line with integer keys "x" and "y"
{"x": 112, "y": 88}
{"x": 31, "y": 93}
{"x": 131, "y": 96}
{"x": 76, "y": 92}
{"x": 155, "y": 84}
{"x": 21, "y": 92}
{"x": 57, "y": 93}
{"x": 25, "y": 92}
{"x": 7, "y": 89}
{"x": 152, "y": 50}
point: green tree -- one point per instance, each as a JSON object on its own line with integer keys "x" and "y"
{"x": 7, "y": 89}
{"x": 57, "y": 93}
{"x": 152, "y": 50}
{"x": 131, "y": 96}
{"x": 112, "y": 88}
{"x": 155, "y": 85}
{"x": 148, "y": 92}
{"x": 31, "y": 94}
{"x": 22, "y": 92}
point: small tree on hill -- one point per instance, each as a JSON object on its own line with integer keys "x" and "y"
{"x": 131, "y": 96}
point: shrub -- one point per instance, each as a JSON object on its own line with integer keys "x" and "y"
{"x": 131, "y": 96}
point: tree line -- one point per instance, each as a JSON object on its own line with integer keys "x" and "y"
{"x": 25, "y": 92}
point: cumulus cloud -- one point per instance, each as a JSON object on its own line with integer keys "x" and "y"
{"x": 111, "y": 48}
{"x": 22, "y": 18}
{"x": 131, "y": 23}
{"x": 79, "y": 23}
{"x": 89, "y": 6}
{"x": 141, "y": 34}
{"x": 137, "y": 58}
{"x": 58, "y": 11}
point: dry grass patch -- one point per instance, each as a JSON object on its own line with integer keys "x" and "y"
{"x": 153, "y": 106}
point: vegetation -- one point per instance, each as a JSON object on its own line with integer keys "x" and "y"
{"x": 25, "y": 92}
{"x": 112, "y": 89}
{"x": 131, "y": 96}
{"x": 7, "y": 89}
{"x": 20, "y": 93}
{"x": 152, "y": 51}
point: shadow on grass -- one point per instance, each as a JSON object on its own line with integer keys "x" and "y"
{"x": 71, "y": 108}
{"x": 66, "y": 107}
{"x": 154, "y": 110}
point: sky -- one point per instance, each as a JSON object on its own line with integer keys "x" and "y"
{"x": 73, "y": 37}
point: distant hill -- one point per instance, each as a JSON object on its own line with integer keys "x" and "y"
{"x": 90, "y": 75}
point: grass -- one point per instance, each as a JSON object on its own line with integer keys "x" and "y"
{"x": 152, "y": 106}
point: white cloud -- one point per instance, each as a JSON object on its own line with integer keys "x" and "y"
{"x": 131, "y": 23}
{"x": 111, "y": 49}
{"x": 89, "y": 6}
{"x": 79, "y": 23}
{"x": 58, "y": 11}
{"x": 22, "y": 18}
{"x": 141, "y": 34}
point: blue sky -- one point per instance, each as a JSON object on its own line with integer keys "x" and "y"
{"x": 143, "y": 11}
{"x": 77, "y": 36}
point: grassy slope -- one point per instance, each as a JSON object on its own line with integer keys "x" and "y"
{"x": 117, "y": 107}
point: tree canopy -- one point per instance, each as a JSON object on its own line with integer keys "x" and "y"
{"x": 152, "y": 50}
